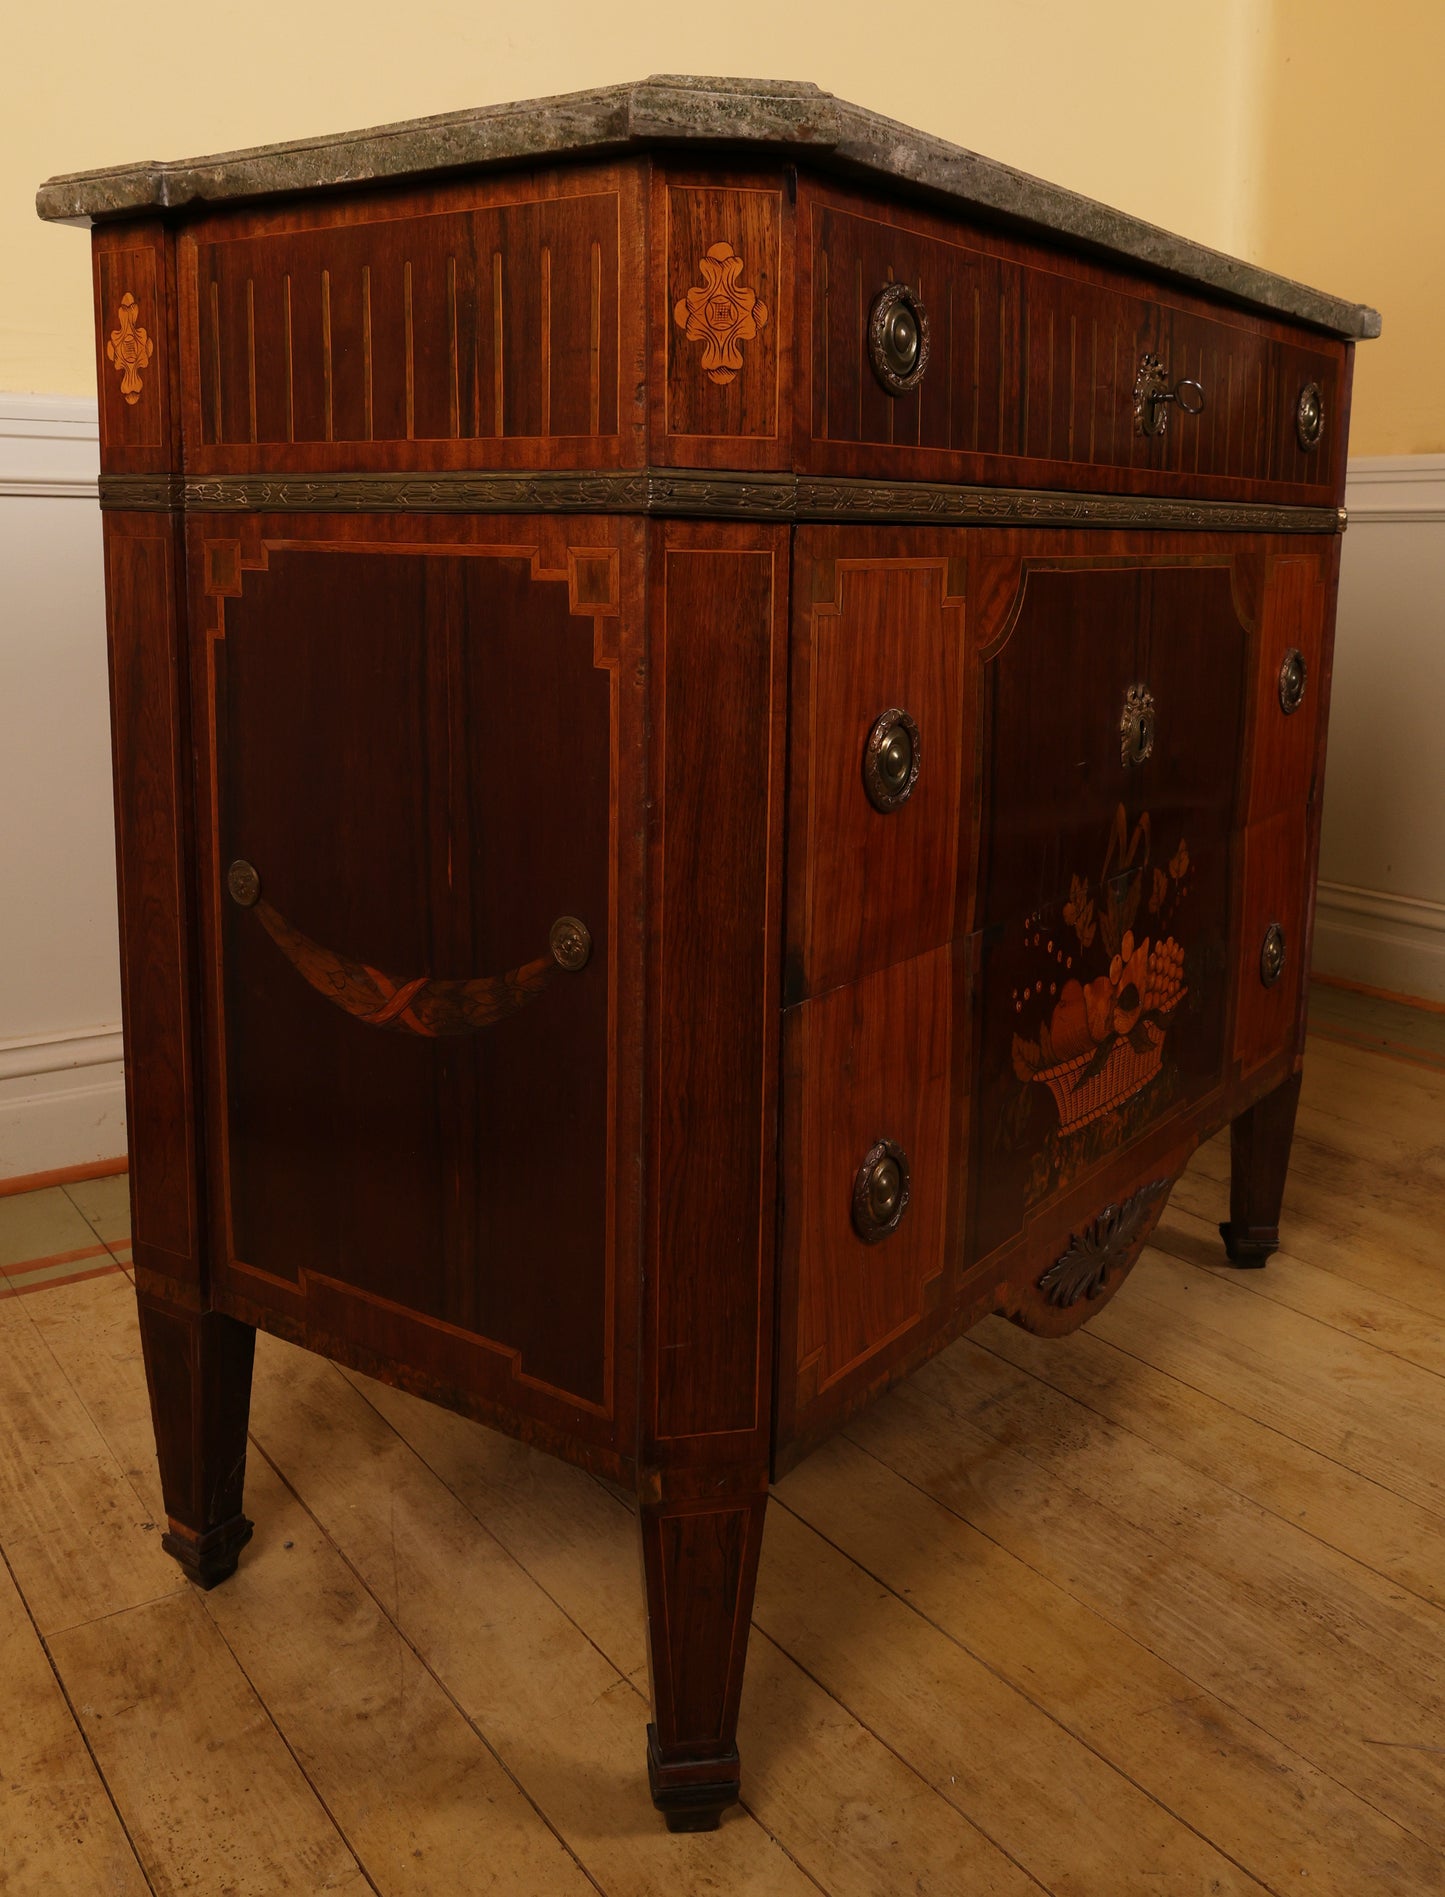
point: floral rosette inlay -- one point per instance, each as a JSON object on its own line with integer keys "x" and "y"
{"x": 130, "y": 349}
{"x": 1095, "y": 1039}
{"x": 720, "y": 313}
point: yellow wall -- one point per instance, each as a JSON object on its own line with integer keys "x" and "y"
{"x": 1278, "y": 129}
{"x": 1355, "y": 199}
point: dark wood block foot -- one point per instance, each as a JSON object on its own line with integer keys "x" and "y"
{"x": 1259, "y": 1144}
{"x": 692, "y": 1796}
{"x": 1248, "y": 1246}
{"x": 210, "y": 1558}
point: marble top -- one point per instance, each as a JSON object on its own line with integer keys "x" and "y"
{"x": 782, "y": 117}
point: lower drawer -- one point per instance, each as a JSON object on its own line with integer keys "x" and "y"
{"x": 1272, "y": 939}
{"x": 873, "y": 1124}
{"x": 953, "y": 1123}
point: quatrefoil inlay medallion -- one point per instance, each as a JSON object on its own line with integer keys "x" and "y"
{"x": 721, "y": 313}
{"x": 130, "y": 349}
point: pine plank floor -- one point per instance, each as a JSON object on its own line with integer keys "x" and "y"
{"x": 1156, "y": 1609}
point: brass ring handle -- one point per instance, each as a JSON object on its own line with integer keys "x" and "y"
{"x": 891, "y": 760}
{"x": 880, "y": 1191}
{"x": 1309, "y": 416}
{"x": 1153, "y": 393}
{"x": 1272, "y": 955}
{"x": 898, "y": 338}
{"x": 416, "y": 1004}
{"x": 1293, "y": 677}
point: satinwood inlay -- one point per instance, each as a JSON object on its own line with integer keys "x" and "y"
{"x": 721, "y": 313}
{"x": 130, "y": 349}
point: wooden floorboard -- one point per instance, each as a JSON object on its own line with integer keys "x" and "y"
{"x": 1302, "y": 1485}
{"x": 1159, "y": 1608}
{"x": 1260, "y": 1803}
{"x": 848, "y": 1806}
{"x": 59, "y": 1830}
{"x": 1316, "y": 1648}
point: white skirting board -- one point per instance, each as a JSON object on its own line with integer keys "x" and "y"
{"x": 62, "y": 1100}
{"x": 1390, "y": 942}
{"x": 1380, "y": 917}
{"x": 1381, "y": 913}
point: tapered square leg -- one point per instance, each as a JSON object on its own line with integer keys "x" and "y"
{"x": 700, "y": 1567}
{"x": 1259, "y": 1148}
{"x": 198, "y": 1369}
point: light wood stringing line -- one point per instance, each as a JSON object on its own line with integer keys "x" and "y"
{"x": 366, "y": 397}
{"x": 326, "y": 389}
{"x": 594, "y": 345}
{"x": 290, "y": 380}
{"x": 216, "y": 357}
{"x": 251, "y": 355}
{"x": 498, "y": 388}
{"x": 546, "y": 340}
{"x": 410, "y": 353}
{"x": 454, "y": 393}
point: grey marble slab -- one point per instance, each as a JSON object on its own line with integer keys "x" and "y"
{"x": 785, "y": 117}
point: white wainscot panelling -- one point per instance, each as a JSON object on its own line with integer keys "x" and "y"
{"x": 61, "y": 1092}
{"x": 1381, "y": 915}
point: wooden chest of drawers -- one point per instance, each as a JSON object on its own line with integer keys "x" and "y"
{"x": 719, "y": 713}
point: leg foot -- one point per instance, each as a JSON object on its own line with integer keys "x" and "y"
{"x": 1259, "y": 1147}
{"x": 210, "y": 1558}
{"x": 198, "y": 1368}
{"x": 700, "y": 1565}
{"x": 692, "y": 1797}
{"x": 1250, "y": 1247}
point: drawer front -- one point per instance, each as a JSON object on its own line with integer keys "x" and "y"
{"x": 1291, "y": 684}
{"x": 1098, "y": 895}
{"x": 1078, "y": 644}
{"x": 1033, "y": 361}
{"x": 880, "y": 757}
{"x": 477, "y": 325}
{"x": 868, "y": 1065}
{"x": 1272, "y": 939}
{"x": 419, "y": 860}
{"x": 1106, "y": 880}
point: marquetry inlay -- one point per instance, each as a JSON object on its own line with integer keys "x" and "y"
{"x": 130, "y": 349}
{"x": 721, "y": 313}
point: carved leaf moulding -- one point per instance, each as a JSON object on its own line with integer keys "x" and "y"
{"x": 724, "y": 493}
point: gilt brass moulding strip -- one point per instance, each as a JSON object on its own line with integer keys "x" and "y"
{"x": 666, "y": 491}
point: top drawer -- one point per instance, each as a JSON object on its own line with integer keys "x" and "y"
{"x": 481, "y": 324}
{"x": 1033, "y": 358}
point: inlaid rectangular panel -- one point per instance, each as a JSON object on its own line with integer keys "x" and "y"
{"x": 479, "y": 325}
{"x": 136, "y": 368}
{"x": 873, "y": 1062}
{"x": 718, "y": 685}
{"x": 425, "y": 752}
{"x": 1290, "y": 683}
{"x": 151, "y": 749}
{"x": 878, "y": 630}
{"x": 1032, "y": 367}
{"x": 1106, "y": 884}
{"x": 1272, "y": 946}
{"x": 723, "y": 320}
